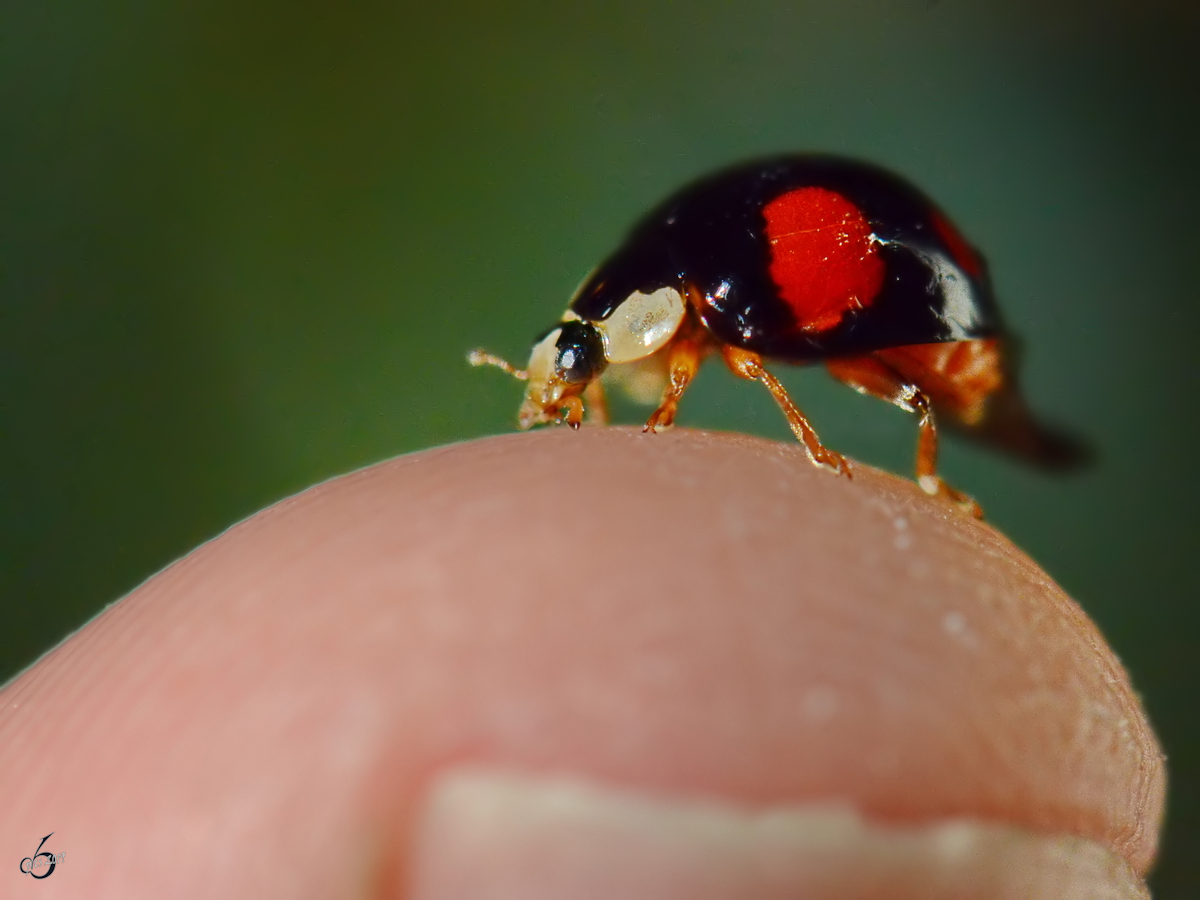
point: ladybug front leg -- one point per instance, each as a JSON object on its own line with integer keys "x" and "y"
{"x": 570, "y": 410}
{"x": 749, "y": 365}
{"x": 869, "y": 376}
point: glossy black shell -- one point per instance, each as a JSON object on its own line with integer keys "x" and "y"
{"x": 712, "y": 234}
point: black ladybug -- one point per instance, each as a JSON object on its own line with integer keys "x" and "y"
{"x": 800, "y": 259}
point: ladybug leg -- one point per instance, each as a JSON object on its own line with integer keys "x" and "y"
{"x": 597, "y": 403}
{"x": 873, "y": 378}
{"x": 571, "y": 411}
{"x": 749, "y": 365}
{"x": 682, "y": 364}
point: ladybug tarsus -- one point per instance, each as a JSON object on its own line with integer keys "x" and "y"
{"x": 749, "y": 365}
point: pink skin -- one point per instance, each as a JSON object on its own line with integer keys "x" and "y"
{"x": 688, "y": 613}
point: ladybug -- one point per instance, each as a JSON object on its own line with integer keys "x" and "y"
{"x": 799, "y": 259}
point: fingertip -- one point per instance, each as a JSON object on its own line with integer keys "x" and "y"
{"x": 683, "y": 614}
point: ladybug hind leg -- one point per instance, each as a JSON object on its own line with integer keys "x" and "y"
{"x": 874, "y": 378}
{"x": 749, "y": 365}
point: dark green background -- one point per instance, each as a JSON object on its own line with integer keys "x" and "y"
{"x": 246, "y": 245}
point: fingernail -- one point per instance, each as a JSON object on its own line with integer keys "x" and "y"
{"x": 491, "y": 835}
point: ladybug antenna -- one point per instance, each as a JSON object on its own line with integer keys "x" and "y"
{"x": 483, "y": 358}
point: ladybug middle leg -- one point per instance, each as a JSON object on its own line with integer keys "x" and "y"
{"x": 684, "y": 357}
{"x": 596, "y": 402}
{"x": 870, "y": 376}
{"x": 749, "y": 365}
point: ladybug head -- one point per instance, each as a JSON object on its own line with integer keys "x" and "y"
{"x": 577, "y": 351}
{"x": 562, "y": 363}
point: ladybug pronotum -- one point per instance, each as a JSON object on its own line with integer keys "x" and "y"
{"x": 798, "y": 259}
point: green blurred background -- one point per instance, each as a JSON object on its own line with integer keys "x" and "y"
{"x": 245, "y": 246}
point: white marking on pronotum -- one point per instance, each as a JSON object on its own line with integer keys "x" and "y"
{"x": 642, "y": 324}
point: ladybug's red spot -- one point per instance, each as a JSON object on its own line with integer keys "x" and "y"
{"x": 960, "y": 250}
{"x": 822, "y": 257}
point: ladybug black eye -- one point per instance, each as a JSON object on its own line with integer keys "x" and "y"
{"x": 580, "y": 353}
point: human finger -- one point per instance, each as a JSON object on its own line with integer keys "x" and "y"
{"x": 324, "y": 699}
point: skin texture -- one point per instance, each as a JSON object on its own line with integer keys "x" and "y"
{"x": 683, "y": 613}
